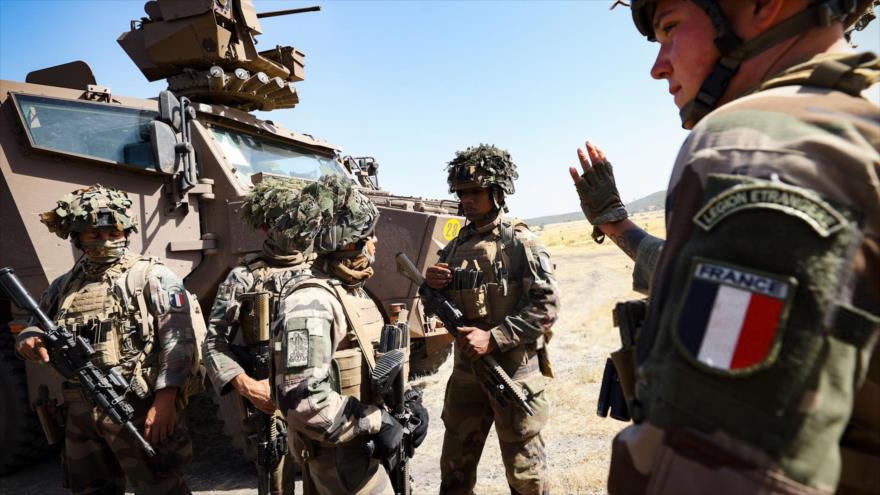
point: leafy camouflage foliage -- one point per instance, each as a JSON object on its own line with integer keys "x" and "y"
{"x": 267, "y": 201}
{"x": 94, "y": 206}
{"x": 482, "y": 166}
{"x": 331, "y": 209}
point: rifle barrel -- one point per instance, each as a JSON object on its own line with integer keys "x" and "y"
{"x": 276, "y": 13}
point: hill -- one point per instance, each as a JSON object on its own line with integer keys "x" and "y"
{"x": 651, "y": 202}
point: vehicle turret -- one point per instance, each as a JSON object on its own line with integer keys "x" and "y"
{"x": 207, "y": 50}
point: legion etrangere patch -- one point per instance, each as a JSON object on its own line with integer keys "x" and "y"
{"x": 732, "y": 317}
{"x": 297, "y": 349}
{"x": 794, "y": 201}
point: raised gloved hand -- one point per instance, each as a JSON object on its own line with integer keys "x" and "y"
{"x": 388, "y": 439}
{"x": 415, "y": 406}
{"x": 600, "y": 200}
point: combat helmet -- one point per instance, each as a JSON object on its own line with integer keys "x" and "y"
{"x": 483, "y": 166}
{"x": 734, "y": 51}
{"x": 354, "y": 216}
{"x": 91, "y": 207}
{"x": 326, "y": 216}
{"x": 267, "y": 200}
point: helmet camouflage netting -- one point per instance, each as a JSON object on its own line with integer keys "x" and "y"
{"x": 267, "y": 200}
{"x": 90, "y": 207}
{"x": 332, "y": 209}
{"x": 482, "y": 166}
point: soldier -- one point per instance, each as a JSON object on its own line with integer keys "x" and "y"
{"x": 227, "y": 349}
{"x": 139, "y": 318}
{"x": 326, "y": 325}
{"x": 765, "y": 297}
{"x": 500, "y": 276}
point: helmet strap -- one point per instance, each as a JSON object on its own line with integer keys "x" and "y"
{"x": 734, "y": 52}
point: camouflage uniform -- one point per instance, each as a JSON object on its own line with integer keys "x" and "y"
{"x": 329, "y": 430}
{"x": 765, "y": 297}
{"x": 226, "y": 349}
{"x": 97, "y": 302}
{"x": 517, "y": 303}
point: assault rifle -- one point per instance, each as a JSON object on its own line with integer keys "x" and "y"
{"x": 388, "y": 380}
{"x": 271, "y": 435}
{"x": 495, "y": 379}
{"x": 71, "y": 356}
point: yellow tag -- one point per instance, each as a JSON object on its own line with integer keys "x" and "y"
{"x": 450, "y": 230}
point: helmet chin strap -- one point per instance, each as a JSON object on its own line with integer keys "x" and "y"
{"x": 734, "y": 52}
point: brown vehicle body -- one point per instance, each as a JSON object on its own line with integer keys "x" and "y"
{"x": 60, "y": 131}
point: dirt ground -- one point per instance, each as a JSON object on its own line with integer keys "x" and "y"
{"x": 591, "y": 279}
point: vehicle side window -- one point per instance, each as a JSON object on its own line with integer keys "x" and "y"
{"x": 94, "y": 130}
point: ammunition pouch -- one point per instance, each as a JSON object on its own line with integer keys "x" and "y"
{"x": 346, "y": 372}
{"x": 473, "y": 302}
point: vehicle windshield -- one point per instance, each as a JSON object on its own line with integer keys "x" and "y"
{"x": 250, "y": 154}
{"x": 95, "y": 130}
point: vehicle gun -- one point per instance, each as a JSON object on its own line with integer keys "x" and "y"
{"x": 71, "y": 355}
{"x": 494, "y": 379}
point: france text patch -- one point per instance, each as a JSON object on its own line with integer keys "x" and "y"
{"x": 732, "y": 316}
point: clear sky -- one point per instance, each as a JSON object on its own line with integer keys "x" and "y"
{"x": 412, "y": 82}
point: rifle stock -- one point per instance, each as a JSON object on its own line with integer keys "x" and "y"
{"x": 496, "y": 381}
{"x": 71, "y": 356}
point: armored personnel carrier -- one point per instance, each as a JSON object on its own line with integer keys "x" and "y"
{"x": 187, "y": 159}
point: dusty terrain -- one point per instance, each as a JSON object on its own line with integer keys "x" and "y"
{"x": 591, "y": 279}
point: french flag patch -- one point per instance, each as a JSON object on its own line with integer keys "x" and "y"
{"x": 177, "y": 299}
{"x": 732, "y": 317}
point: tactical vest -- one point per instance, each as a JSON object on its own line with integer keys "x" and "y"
{"x": 99, "y": 311}
{"x": 485, "y": 284}
{"x": 783, "y": 379}
{"x": 267, "y": 278}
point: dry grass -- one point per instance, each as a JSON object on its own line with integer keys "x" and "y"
{"x": 592, "y": 278}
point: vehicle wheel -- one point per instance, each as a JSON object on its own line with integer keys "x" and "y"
{"x": 21, "y": 436}
{"x": 421, "y": 364}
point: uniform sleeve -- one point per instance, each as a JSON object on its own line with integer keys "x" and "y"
{"x": 539, "y": 302}
{"x": 218, "y": 357}
{"x": 307, "y": 333}
{"x": 175, "y": 340}
{"x": 47, "y": 303}
{"x": 647, "y": 255}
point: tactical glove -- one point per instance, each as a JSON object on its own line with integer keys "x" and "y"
{"x": 415, "y": 406}
{"x": 600, "y": 200}
{"x": 389, "y": 437}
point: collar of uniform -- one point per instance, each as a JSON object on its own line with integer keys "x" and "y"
{"x": 850, "y": 72}
{"x": 490, "y": 228}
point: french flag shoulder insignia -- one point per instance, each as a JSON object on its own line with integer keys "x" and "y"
{"x": 732, "y": 318}
{"x": 177, "y": 299}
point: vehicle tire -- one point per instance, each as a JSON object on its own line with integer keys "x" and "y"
{"x": 421, "y": 364}
{"x": 21, "y": 436}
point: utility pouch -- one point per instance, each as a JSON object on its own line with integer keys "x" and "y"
{"x": 502, "y": 299}
{"x": 611, "y": 398}
{"x": 628, "y": 317}
{"x": 50, "y": 416}
{"x": 108, "y": 352}
{"x": 472, "y": 302}
{"x": 346, "y": 370}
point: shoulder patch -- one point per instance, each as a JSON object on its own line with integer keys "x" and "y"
{"x": 731, "y": 318}
{"x": 177, "y": 298}
{"x": 797, "y": 202}
{"x": 296, "y": 348}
